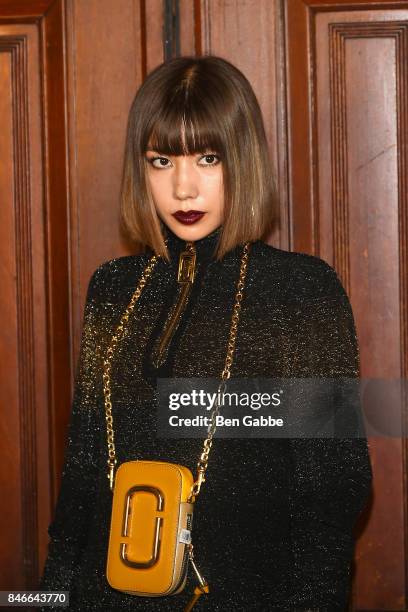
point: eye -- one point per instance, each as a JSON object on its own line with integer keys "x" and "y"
{"x": 162, "y": 162}
{"x": 211, "y": 159}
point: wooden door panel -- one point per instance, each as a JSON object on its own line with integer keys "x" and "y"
{"x": 34, "y": 305}
{"x": 348, "y": 78}
{"x": 22, "y": 307}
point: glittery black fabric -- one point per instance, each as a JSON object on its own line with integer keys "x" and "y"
{"x": 273, "y": 524}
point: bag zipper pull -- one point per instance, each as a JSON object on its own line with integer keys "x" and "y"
{"x": 202, "y": 586}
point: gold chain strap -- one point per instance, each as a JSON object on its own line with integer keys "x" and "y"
{"x": 107, "y": 366}
{"x": 226, "y": 373}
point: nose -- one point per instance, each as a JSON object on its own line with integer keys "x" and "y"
{"x": 185, "y": 179}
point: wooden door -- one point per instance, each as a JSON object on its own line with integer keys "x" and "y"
{"x": 34, "y": 309}
{"x": 347, "y": 94}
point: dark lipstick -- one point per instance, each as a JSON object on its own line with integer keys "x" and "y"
{"x": 189, "y": 217}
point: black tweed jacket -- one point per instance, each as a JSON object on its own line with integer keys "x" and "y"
{"x": 273, "y": 526}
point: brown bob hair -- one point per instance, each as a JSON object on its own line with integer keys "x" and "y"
{"x": 213, "y": 102}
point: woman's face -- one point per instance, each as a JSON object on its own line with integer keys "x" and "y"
{"x": 184, "y": 183}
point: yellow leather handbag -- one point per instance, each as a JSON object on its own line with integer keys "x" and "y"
{"x": 150, "y": 544}
{"x": 150, "y": 527}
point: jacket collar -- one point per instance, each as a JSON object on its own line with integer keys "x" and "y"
{"x": 205, "y": 247}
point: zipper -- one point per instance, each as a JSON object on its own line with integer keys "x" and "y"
{"x": 185, "y": 278}
{"x": 184, "y": 567}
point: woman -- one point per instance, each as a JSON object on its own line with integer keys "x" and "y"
{"x": 273, "y": 524}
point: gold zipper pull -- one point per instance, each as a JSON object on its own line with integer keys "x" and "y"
{"x": 185, "y": 277}
{"x": 202, "y": 586}
{"x": 187, "y": 264}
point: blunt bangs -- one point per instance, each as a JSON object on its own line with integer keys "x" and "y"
{"x": 192, "y": 110}
{"x": 199, "y": 135}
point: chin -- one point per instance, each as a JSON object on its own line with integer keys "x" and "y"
{"x": 193, "y": 232}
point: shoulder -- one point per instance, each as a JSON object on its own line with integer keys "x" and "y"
{"x": 116, "y": 278}
{"x": 299, "y": 277}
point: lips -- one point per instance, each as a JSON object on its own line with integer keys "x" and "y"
{"x": 191, "y": 216}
